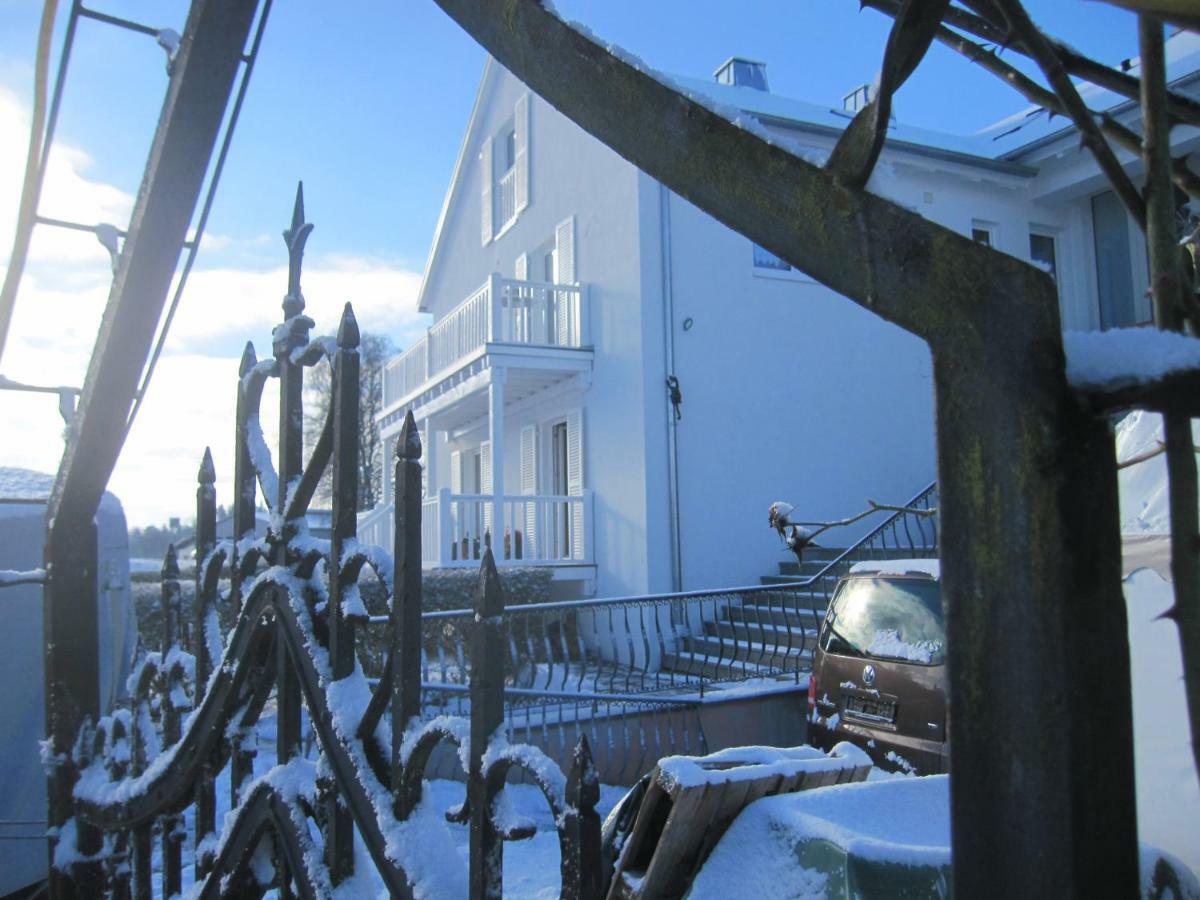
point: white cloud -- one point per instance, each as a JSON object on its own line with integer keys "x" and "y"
{"x": 67, "y": 193}
{"x": 190, "y": 403}
{"x": 240, "y": 305}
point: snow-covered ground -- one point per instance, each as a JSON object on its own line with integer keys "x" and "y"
{"x": 1143, "y": 486}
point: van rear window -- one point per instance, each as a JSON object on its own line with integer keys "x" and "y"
{"x": 883, "y": 618}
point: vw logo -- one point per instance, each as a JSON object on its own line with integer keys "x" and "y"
{"x": 868, "y": 674}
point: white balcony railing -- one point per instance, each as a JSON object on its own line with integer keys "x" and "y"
{"x": 501, "y": 311}
{"x": 533, "y": 530}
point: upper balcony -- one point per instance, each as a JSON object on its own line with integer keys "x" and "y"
{"x": 551, "y": 319}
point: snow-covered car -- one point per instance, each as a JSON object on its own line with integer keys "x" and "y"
{"x": 879, "y": 674}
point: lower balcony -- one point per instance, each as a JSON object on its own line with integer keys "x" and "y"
{"x": 533, "y": 530}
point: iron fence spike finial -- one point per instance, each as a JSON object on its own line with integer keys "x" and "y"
{"x": 295, "y": 237}
{"x": 490, "y": 590}
{"x": 207, "y": 473}
{"x": 409, "y": 445}
{"x": 170, "y": 566}
{"x": 348, "y": 336}
{"x": 249, "y": 360}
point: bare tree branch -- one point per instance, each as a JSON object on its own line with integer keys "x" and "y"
{"x": 1060, "y": 81}
{"x": 1181, "y": 108}
{"x": 987, "y": 59}
{"x": 1168, "y": 287}
{"x": 1177, "y": 12}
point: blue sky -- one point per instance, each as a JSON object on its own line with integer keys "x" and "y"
{"x": 367, "y": 102}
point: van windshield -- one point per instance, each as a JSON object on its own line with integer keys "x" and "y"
{"x": 887, "y": 619}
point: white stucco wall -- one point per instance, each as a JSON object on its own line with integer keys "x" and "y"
{"x": 789, "y": 392}
{"x": 571, "y": 174}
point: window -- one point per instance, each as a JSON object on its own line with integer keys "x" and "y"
{"x": 765, "y": 259}
{"x": 510, "y": 150}
{"x": 1043, "y": 253}
{"x": 983, "y": 233}
{"x": 504, "y": 164}
{"x": 1114, "y": 261}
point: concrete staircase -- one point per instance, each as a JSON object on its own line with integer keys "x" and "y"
{"x": 772, "y": 630}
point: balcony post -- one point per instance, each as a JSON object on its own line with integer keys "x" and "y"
{"x": 585, "y": 316}
{"x": 589, "y": 549}
{"x": 428, "y": 353}
{"x": 496, "y": 436}
{"x": 495, "y": 309}
{"x": 445, "y": 526}
{"x": 431, "y": 441}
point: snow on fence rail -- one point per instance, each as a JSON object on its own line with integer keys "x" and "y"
{"x": 195, "y": 704}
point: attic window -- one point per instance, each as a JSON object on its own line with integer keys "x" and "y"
{"x": 505, "y": 177}
{"x": 742, "y": 73}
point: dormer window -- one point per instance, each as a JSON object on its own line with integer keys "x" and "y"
{"x": 504, "y": 159}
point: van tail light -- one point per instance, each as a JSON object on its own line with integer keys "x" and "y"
{"x": 812, "y": 694}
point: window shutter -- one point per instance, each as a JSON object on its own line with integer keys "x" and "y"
{"x": 521, "y": 267}
{"x": 521, "y": 161}
{"x": 575, "y": 480}
{"x": 529, "y": 441}
{"x": 564, "y": 245}
{"x": 564, "y": 265}
{"x": 485, "y": 169}
{"x": 485, "y": 483}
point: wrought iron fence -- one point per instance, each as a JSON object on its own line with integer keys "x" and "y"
{"x": 195, "y": 710}
{"x": 685, "y": 640}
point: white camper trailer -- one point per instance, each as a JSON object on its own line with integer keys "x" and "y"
{"x": 23, "y": 497}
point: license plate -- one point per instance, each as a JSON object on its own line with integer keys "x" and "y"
{"x": 872, "y": 709}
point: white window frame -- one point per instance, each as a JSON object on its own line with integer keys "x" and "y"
{"x": 991, "y": 228}
{"x": 789, "y": 274}
{"x": 517, "y": 128}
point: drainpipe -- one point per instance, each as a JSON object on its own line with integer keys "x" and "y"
{"x": 669, "y": 354}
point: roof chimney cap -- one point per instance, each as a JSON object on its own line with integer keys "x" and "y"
{"x": 742, "y": 72}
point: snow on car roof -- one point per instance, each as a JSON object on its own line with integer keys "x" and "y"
{"x": 930, "y": 567}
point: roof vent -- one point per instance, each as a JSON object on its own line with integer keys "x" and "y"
{"x": 857, "y": 98}
{"x": 743, "y": 73}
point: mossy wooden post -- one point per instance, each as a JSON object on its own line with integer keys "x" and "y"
{"x": 241, "y": 759}
{"x": 172, "y": 825}
{"x": 290, "y": 336}
{"x": 339, "y": 836}
{"x": 486, "y": 878}
{"x": 205, "y": 604}
{"x": 1031, "y": 552}
{"x": 581, "y": 858}
{"x": 405, "y": 626}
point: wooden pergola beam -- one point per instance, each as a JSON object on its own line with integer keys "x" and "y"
{"x": 202, "y": 78}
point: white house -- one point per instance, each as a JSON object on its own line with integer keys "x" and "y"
{"x": 570, "y": 292}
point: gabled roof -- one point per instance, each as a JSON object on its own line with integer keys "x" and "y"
{"x": 490, "y": 68}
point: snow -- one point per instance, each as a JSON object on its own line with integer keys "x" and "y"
{"x": 1121, "y": 357}
{"x": 930, "y": 567}
{"x": 1143, "y": 486}
{"x": 888, "y": 643}
{"x": 12, "y": 577}
{"x": 756, "y": 762}
{"x": 24, "y": 484}
{"x": 1168, "y": 790}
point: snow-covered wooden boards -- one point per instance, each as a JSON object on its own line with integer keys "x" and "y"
{"x": 691, "y": 801}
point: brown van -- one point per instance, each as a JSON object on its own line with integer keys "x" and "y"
{"x": 879, "y": 673}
